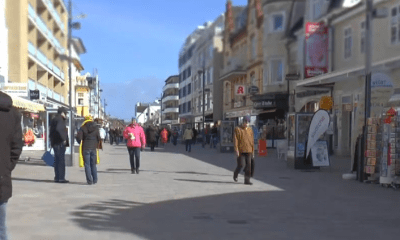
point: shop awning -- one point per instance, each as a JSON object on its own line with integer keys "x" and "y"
{"x": 26, "y": 104}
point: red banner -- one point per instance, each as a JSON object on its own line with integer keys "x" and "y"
{"x": 316, "y": 47}
{"x": 34, "y": 115}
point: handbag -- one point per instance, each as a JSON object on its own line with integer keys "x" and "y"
{"x": 48, "y": 158}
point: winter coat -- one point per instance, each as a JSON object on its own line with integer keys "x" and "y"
{"x": 10, "y": 144}
{"x": 89, "y": 135}
{"x": 188, "y": 135}
{"x": 151, "y": 135}
{"x": 164, "y": 135}
{"x": 138, "y": 139}
{"x": 243, "y": 140}
{"x": 58, "y": 131}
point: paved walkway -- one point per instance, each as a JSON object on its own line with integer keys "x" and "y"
{"x": 180, "y": 195}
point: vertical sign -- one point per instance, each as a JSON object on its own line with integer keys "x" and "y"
{"x": 240, "y": 90}
{"x": 316, "y": 49}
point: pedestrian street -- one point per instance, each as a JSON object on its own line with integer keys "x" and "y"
{"x": 180, "y": 195}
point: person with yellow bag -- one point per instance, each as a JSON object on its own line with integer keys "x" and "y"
{"x": 90, "y": 142}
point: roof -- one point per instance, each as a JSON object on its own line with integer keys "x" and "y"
{"x": 78, "y": 45}
{"x": 173, "y": 76}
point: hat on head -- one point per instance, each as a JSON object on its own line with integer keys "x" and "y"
{"x": 246, "y": 118}
{"x": 88, "y": 117}
{"x": 62, "y": 110}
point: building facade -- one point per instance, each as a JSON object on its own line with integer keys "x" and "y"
{"x": 170, "y": 101}
{"x": 3, "y": 44}
{"x": 207, "y": 63}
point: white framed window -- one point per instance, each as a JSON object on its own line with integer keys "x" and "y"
{"x": 362, "y": 37}
{"x": 253, "y": 81}
{"x": 253, "y": 47}
{"x": 348, "y": 42}
{"x": 316, "y": 9}
{"x": 395, "y": 25}
{"x": 80, "y": 101}
{"x": 81, "y": 95}
{"x": 277, "y": 21}
{"x": 276, "y": 69}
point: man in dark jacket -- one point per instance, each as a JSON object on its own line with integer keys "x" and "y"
{"x": 10, "y": 149}
{"x": 90, "y": 135}
{"x": 112, "y": 135}
{"x": 117, "y": 135}
{"x": 151, "y": 135}
{"x": 194, "y": 135}
{"x": 59, "y": 142}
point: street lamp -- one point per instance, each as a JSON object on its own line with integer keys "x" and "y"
{"x": 71, "y": 26}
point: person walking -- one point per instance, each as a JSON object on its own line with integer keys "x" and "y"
{"x": 111, "y": 134}
{"x": 59, "y": 142}
{"x": 194, "y": 135}
{"x": 188, "y": 136}
{"x": 157, "y": 135}
{"x": 102, "y": 134}
{"x": 243, "y": 141}
{"x": 214, "y": 136}
{"x": 175, "y": 136}
{"x": 117, "y": 135}
{"x": 10, "y": 148}
{"x": 164, "y": 136}
{"x": 136, "y": 141}
{"x": 90, "y": 140}
{"x": 151, "y": 137}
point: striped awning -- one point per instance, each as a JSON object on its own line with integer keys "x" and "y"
{"x": 26, "y": 104}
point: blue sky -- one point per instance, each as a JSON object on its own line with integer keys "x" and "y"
{"x": 134, "y": 44}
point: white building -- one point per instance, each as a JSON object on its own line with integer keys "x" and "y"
{"x": 3, "y": 44}
{"x": 170, "y": 101}
{"x": 149, "y": 114}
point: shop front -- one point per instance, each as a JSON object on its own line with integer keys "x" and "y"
{"x": 32, "y": 123}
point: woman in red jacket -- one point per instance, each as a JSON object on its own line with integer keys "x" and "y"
{"x": 136, "y": 141}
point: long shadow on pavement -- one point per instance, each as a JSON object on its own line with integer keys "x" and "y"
{"x": 44, "y": 181}
{"x": 115, "y": 170}
{"x": 246, "y": 215}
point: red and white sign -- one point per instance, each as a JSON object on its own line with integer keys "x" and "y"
{"x": 240, "y": 90}
{"x": 316, "y": 48}
{"x": 34, "y": 115}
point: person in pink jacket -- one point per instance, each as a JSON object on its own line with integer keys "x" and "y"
{"x": 136, "y": 141}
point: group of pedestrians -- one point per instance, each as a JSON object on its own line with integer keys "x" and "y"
{"x": 115, "y": 135}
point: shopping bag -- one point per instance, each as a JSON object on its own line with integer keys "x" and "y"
{"x": 81, "y": 162}
{"x": 98, "y": 157}
{"x": 262, "y": 147}
{"x": 48, "y": 158}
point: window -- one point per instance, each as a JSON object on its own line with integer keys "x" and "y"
{"x": 348, "y": 42}
{"x": 208, "y": 76}
{"x": 80, "y": 101}
{"x": 253, "y": 81}
{"x": 189, "y": 88}
{"x": 277, "y": 22}
{"x": 316, "y": 8}
{"x": 184, "y": 91}
{"x": 184, "y": 75}
{"x": 199, "y": 105}
{"x": 180, "y": 93}
{"x": 189, "y": 106}
{"x": 253, "y": 48}
{"x": 189, "y": 71}
{"x": 208, "y": 100}
{"x": 362, "y": 38}
{"x": 211, "y": 74}
{"x": 180, "y": 108}
{"x": 195, "y": 83}
{"x": 395, "y": 25}
{"x": 184, "y": 108}
{"x": 277, "y": 71}
{"x": 80, "y": 95}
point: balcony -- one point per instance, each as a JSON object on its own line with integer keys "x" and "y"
{"x": 171, "y": 98}
{"x": 55, "y": 14}
{"x": 171, "y": 86}
{"x": 38, "y": 21}
{"x": 39, "y": 57}
{"x": 171, "y": 110}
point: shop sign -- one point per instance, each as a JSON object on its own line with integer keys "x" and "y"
{"x": 198, "y": 119}
{"x": 34, "y": 94}
{"x": 380, "y": 80}
{"x": 34, "y": 115}
{"x": 240, "y": 90}
{"x": 183, "y": 120}
{"x": 316, "y": 49}
{"x": 311, "y": 93}
{"x": 270, "y": 103}
{"x": 18, "y": 89}
{"x": 253, "y": 89}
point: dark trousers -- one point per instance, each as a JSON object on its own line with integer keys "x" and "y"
{"x": 117, "y": 140}
{"x": 152, "y": 146}
{"x": 175, "y": 140}
{"x": 244, "y": 158}
{"x": 59, "y": 162}
{"x": 111, "y": 140}
{"x": 134, "y": 154}
{"x": 194, "y": 140}
{"x": 90, "y": 160}
{"x": 157, "y": 139}
{"x": 188, "y": 145}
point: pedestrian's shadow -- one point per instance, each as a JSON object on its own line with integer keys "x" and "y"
{"x": 154, "y": 171}
{"x": 203, "y": 181}
{"x": 44, "y": 181}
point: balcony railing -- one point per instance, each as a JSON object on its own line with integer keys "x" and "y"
{"x": 44, "y": 29}
{"x": 171, "y": 110}
{"x": 54, "y": 13}
{"x": 170, "y": 98}
{"x": 170, "y": 85}
{"x": 36, "y": 53}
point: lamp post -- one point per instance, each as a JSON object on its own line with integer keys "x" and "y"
{"x": 202, "y": 71}
{"x": 71, "y": 25}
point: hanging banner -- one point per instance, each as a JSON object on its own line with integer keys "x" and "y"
{"x": 316, "y": 49}
{"x": 318, "y": 126}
